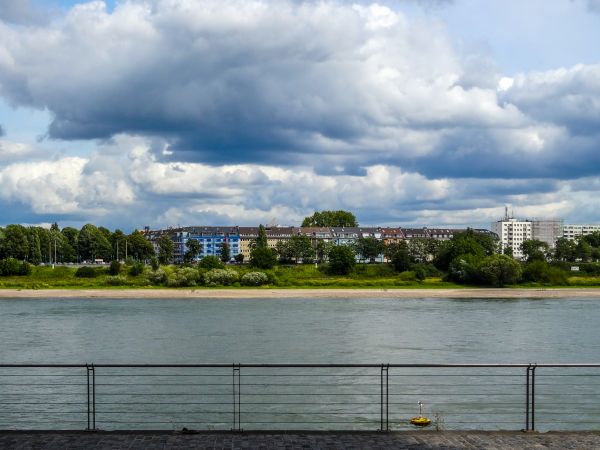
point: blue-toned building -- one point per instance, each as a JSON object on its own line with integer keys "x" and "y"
{"x": 210, "y": 238}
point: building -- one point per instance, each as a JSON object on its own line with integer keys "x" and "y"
{"x": 571, "y": 232}
{"x": 241, "y": 239}
{"x": 547, "y": 231}
{"x": 512, "y": 232}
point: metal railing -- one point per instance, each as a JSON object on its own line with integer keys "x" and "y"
{"x": 299, "y": 396}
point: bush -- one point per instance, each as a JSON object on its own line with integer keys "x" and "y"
{"x": 157, "y": 277}
{"x": 541, "y": 272}
{"x": 408, "y": 276}
{"x": 136, "y": 269}
{"x": 224, "y": 277}
{"x": 10, "y": 266}
{"x": 254, "y": 279}
{"x": 117, "y": 280}
{"x": 463, "y": 269}
{"x": 341, "y": 260}
{"x": 154, "y": 263}
{"x": 499, "y": 270}
{"x": 114, "y": 268}
{"x": 86, "y": 272}
{"x": 420, "y": 273}
{"x": 211, "y": 262}
{"x": 183, "y": 277}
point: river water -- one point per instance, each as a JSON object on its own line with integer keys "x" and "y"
{"x": 307, "y": 331}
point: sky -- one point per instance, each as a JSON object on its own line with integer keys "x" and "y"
{"x": 133, "y": 113}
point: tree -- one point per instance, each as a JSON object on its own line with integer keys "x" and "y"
{"x": 368, "y": 248}
{"x": 261, "y": 240}
{"x": 138, "y": 247}
{"x": 534, "y": 250}
{"x": 239, "y": 258}
{"x": 330, "y": 219}
{"x": 508, "y": 251}
{"x": 93, "y": 244}
{"x": 263, "y": 257}
{"x": 565, "y": 250}
{"x": 583, "y": 250}
{"x": 35, "y": 253}
{"x": 70, "y": 236}
{"x": 166, "y": 249}
{"x": 341, "y": 260}
{"x": 400, "y": 258}
{"x": 301, "y": 248}
{"x": 194, "y": 247}
{"x": 225, "y": 252}
{"x": 593, "y": 239}
{"x": 499, "y": 270}
{"x": 15, "y": 243}
{"x": 322, "y": 249}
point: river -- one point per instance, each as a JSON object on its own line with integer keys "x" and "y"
{"x": 318, "y": 331}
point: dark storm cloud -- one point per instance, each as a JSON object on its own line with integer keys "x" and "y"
{"x": 333, "y": 86}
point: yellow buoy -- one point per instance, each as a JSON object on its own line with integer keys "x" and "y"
{"x": 420, "y": 420}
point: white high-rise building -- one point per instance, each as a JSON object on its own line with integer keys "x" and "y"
{"x": 512, "y": 232}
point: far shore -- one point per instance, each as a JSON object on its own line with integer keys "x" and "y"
{"x": 301, "y": 293}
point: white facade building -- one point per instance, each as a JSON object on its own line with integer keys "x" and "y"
{"x": 572, "y": 231}
{"x": 512, "y": 233}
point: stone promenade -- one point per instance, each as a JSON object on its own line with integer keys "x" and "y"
{"x": 429, "y": 440}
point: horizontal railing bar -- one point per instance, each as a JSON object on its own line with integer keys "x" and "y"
{"x": 253, "y": 365}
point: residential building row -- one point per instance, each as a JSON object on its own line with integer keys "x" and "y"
{"x": 512, "y": 232}
{"x": 240, "y": 239}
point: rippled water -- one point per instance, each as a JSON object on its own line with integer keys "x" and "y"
{"x": 339, "y": 331}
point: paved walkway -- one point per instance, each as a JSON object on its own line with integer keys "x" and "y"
{"x": 429, "y": 440}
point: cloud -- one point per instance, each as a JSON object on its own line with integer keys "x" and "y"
{"x": 2, "y": 132}
{"x": 594, "y": 5}
{"x": 123, "y": 184}
{"x": 275, "y": 82}
{"x": 20, "y": 12}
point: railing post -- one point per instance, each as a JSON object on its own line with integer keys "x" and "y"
{"x": 384, "y": 395}
{"x": 236, "y": 390}
{"x": 527, "y": 371}
{"x": 91, "y": 397}
{"x": 533, "y": 397}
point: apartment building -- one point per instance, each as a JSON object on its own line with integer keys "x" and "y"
{"x": 512, "y": 232}
{"x": 571, "y": 232}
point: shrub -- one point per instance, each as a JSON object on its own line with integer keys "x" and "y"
{"x": 420, "y": 273}
{"x": 407, "y": 276}
{"x": 542, "y": 272}
{"x": 136, "y": 269}
{"x": 154, "y": 263}
{"x": 254, "y": 279}
{"x": 114, "y": 268}
{"x": 223, "y": 277}
{"x": 117, "y": 280}
{"x": 25, "y": 269}
{"x": 157, "y": 277}
{"x": 10, "y": 266}
{"x": 211, "y": 262}
{"x": 499, "y": 270}
{"x": 86, "y": 272}
{"x": 463, "y": 269}
{"x": 182, "y": 277}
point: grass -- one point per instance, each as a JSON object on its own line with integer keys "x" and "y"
{"x": 377, "y": 276}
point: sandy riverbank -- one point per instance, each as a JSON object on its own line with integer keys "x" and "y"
{"x": 301, "y": 293}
